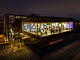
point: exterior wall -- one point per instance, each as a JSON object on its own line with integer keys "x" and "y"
{"x": 47, "y": 19}
{"x": 8, "y": 21}
{"x": 77, "y": 25}
{"x": 16, "y": 22}
{"x": 1, "y": 28}
{"x": 37, "y": 33}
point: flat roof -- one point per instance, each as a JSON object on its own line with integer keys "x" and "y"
{"x": 47, "y": 19}
{"x": 43, "y": 18}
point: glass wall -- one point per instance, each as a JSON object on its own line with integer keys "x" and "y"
{"x": 47, "y": 28}
{"x": 30, "y": 27}
{"x": 44, "y": 29}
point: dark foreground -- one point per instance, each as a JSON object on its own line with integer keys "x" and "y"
{"x": 68, "y": 51}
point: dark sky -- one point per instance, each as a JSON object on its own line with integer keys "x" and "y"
{"x": 61, "y": 8}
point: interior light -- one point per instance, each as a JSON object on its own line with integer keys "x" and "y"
{"x": 60, "y": 25}
{"x": 56, "y": 23}
{"x": 44, "y": 23}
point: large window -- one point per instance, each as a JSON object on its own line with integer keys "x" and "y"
{"x": 59, "y": 27}
{"x": 30, "y": 27}
{"x": 44, "y": 29}
{"x": 47, "y": 28}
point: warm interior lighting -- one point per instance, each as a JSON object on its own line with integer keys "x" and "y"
{"x": 47, "y": 28}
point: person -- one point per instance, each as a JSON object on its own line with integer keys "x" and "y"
{"x": 51, "y": 30}
{"x": 59, "y": 29}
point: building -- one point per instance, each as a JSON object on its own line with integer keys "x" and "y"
{"x": 12, "y": 24}
{"x": 41, "y": 28}
{"x": 46, "y": 26}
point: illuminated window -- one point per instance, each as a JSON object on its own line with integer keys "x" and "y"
{"x": 47, "y": 28}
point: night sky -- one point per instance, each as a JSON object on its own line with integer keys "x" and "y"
{"x": 57, "y": 8}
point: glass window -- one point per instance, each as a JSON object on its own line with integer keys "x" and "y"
{"x": 30, "y": 27}
{"x": 47, "y": 28}
{"x": 44, "y": 29}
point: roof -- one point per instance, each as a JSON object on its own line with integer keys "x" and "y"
{"x": 47, "y": 19}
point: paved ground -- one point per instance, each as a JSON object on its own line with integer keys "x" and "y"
{"x": 68, "y": 52}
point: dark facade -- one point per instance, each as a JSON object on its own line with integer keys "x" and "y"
{"x": 77, "y": 25}
{"x": 13, "y": 22}
{"x": 1, "y": 26}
